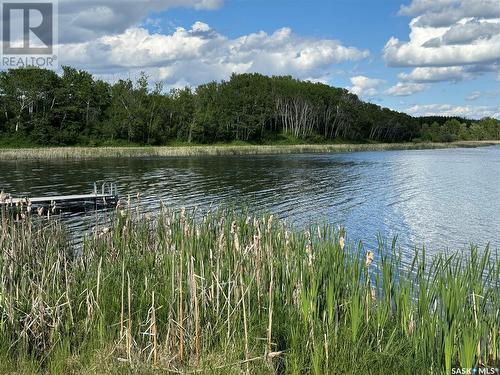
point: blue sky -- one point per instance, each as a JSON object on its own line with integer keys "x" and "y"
{"x": 419, "y": 56}
{"x": 360, "y": 23}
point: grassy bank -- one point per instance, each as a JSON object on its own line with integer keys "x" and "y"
{"x": 231, "y": 294}
{"x": 166, "y": 151}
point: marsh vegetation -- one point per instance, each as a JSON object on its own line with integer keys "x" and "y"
{"x": 214, "y": 150}
{"x": 231, "y": 293}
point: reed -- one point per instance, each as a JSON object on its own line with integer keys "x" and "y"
{"x": 228, "y": 293}
{"x": 215, "y": 150}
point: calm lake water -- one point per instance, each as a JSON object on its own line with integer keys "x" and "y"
{"x": 444, "y": 199}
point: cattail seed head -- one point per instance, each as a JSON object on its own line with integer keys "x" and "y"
{"x": 411, "y": 325}
{"x": 269, "y": 223}
{"x": 342, "y": 243}
{"x": 369, "y": 258}
{"x": 309, "y": 250}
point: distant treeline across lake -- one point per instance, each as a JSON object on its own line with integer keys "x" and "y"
{"x": 40, "y": 107}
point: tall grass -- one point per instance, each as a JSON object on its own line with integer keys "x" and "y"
{"x": 229, "y": 293}
{"x": 213, "y": 150}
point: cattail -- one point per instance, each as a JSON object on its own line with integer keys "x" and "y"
{"x": 369, "y": 258}
{"x": 411, "y": 325}
{"x": 342, "y": 243}
{"x": 40, "y": 211}
{"x": 256, "y": 243}
{"x": 296, "y": 294}
{"x": 309, "y": 250}
{"x": 274, "y": 354}
{"x": 269, "y": 223}
{"x": 221, "y": 241}
{"x": 234, "y": 232}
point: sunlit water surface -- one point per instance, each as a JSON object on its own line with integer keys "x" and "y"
{"x": 443, "y": 199}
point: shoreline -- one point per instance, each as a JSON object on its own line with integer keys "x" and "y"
{"x": 220, "y": 150}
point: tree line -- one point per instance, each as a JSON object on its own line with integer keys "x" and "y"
{"x": 41, "y": 107}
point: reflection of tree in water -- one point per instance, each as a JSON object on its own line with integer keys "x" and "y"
{"x": 303, "y": 183}
{"x": 366, "y": 192}
{"x": 260, "y": 182}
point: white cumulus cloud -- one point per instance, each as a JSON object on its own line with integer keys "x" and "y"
{"x": 406, "y": 88}
{"x": 418, "y": 52}
{"x": 201, "y": 54}
{"x": 449, "y": 40}
{"x": 83, "y": 20}
{"x": 364, "y": 86}
{"x": 467, "y": 111}
{"x": 438, "y": 13}
{"x": 436, "y": 74}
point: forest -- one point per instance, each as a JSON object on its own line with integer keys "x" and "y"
{"x": 41, "y": 107}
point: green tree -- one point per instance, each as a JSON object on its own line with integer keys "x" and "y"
{"x": 29, "y": 101}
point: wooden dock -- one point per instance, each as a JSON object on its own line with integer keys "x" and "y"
{"x": 108, "y": 194}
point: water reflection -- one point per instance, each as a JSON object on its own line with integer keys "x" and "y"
{"x": 441, "y": 198}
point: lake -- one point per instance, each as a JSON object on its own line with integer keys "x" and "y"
{"x": 443, "y": 199}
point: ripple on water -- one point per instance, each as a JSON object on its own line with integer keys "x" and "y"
{"x": 440, "y": 198}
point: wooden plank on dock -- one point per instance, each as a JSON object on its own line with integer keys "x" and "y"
{"x": 60, "y": 199}
{"x": 107, "y": 195}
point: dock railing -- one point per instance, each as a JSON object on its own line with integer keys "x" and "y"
{"x": 108, "y": 194}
